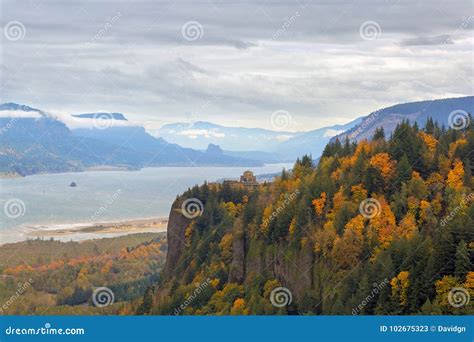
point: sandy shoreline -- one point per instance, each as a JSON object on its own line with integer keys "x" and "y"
{"x": 100, "y": 230}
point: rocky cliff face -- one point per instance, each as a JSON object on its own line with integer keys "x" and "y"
{"x": 250, "y": 257}
{"x": 177, "y": 224}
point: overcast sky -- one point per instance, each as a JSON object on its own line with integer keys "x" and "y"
{"x": 235, "y": 62}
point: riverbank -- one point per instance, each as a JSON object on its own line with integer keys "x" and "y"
{"x": 99, "y": 230}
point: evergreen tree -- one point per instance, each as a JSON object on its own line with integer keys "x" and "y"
{"x": 430, "y": 128}
{"x": 403, "y": 170}
{"x": 427, "y": 308}
{"x": 373, "y": 180}
{"x": 405, "y": 142}
{"x": 359, "y": 167}
{"x": 463, "y": 262}
{"x": 147, "y": 302}
{"x": 347, "y": 149}
{"x": 379, "y": 133}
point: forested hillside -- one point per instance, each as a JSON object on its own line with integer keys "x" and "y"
{"x": 381, "y": 227}
{"x": 78, "y": 278}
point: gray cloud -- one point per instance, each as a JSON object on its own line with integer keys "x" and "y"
{"x": 253, "y": 58}
{"x": 434, "y": 40}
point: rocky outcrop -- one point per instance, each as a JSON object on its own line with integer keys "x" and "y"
{"x": 177, "y": 224}
{"x": 293, "y": 267}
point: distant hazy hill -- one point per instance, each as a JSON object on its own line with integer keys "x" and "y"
{"x": 287, "y": 146}
{"x": 313, "y": 142}
{"x": 32, "y": 141}
{"x": 200, "y": 134}
{"x": 151, "y": 151}
{"x": 418, "y": 112}
{"x": 262, "y": 143}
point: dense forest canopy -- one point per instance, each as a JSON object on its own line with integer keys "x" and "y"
{"x": 68, "y": 278}
{"x": 382, "y": 227}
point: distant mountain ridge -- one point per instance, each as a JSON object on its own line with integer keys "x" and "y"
{"x": 39, "y": 143}
{"x": 418, "y": 112}
{"x": 19, "y": 107}
{"x": 281, "y": 145}
{"x": 287, "y": 146}
{"x": 313, "y": 142}
{"x": 201, "y": 133}
{"x": 33, "y": 141}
